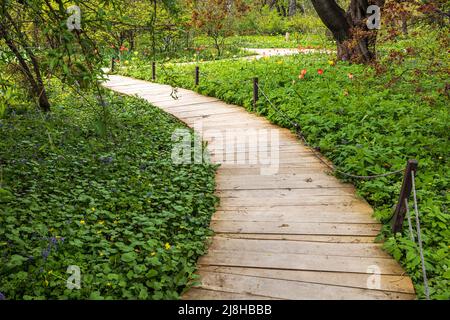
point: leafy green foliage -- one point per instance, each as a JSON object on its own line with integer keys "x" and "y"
{"x": 100, "y": 193}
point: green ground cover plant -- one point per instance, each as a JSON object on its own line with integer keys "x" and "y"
{"x": 367, "y": 120}
{"x": 96, "y": 188}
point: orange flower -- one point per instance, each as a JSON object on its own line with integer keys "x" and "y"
{"x": 350, "y": 76}
{"x": 320, "y": 71}
{"x": 122, "y": 48}
{"x": 302, "y": 74}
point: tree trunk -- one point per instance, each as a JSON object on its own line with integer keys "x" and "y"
{"x": 404, "y": 25}
{"x": 292, "y": 7}
{"x": 36, "y": 83}
{"x": 355, "y": 42}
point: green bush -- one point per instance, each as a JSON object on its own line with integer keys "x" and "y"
{"x": 99, "y": 191}
{"x": 306, "y": 24}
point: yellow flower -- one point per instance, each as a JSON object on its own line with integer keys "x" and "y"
{"x": 153, "y": 254}
{"x": 82, "y": 221}
{"x": 280, "y": 62}
{"x": 93, "y": 209}
{"x": 127, "y": 62}
{"x": 331, "y": 62}
{"x": 101, "y": 222}
{"x": 167, "y": 246}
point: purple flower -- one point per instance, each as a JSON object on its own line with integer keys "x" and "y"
{"x": 2, "y": 296}
{"x": 106, "y": 160}
{"x": 46, "y": 252}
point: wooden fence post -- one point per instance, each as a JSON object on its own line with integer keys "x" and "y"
{"x": 255, "y": 92}
{"x": 197, "y": 79}
{"x": 153, "y": 71}
{"x": 400, "y": 209}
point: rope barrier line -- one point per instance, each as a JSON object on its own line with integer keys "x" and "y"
{"x": 408, "y": 216}
{"x": 317, "y": 155}
{"x": 419, "y": 238}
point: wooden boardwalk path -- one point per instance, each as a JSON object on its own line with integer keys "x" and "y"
{"x": 296, "y": 234}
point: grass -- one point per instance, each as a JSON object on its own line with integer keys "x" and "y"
{"x": 370, "y": 122}
{"x": 98, "y": 190}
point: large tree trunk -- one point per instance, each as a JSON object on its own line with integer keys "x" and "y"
{"x": 292, "y": 7}
{"x": 35, "y": 81}
{"x": 355, "y": 42}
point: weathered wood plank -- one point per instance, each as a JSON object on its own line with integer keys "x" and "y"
{"x": 290, "y": 261}
{"x": 302, "y": 237}
{"x": 312, "y": 248}
{"x": 337, "y": 217}
{"x": 208, "y": 294}
{"x": 355, "y": 280}
{"x": 321, "y": 228}
{"x": 283, "y": 289}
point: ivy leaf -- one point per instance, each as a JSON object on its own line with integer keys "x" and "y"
{"x": 129, "y": 257}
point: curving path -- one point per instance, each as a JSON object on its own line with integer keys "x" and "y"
{"x": 285, "y": 229}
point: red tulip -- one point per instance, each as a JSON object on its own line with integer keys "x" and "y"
{"x": 320, "y": 71}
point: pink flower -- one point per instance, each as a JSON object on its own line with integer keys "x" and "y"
{"x": 350, "y": 76}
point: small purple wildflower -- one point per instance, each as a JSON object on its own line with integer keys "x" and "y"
{"x": 106, "y": 160}
{"x": 2, "y": 296}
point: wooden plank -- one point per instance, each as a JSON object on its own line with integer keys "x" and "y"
{"x": 280, "y": 181}
{"x": 311, "y": 198}
{"x": 243, "y": 170}
{"x": 283, "y": 289}
{"x": 297, "y": 211}
{"x": 207, "y": 294}
{"x": 304, "y": 247}
{"x": 301, "y": 237}
{"x": 289, "y": 193}
{"x": 357, "y": 206}
{"x": 392, "y": 283}
{"x": 282, "y": 167}
{"x": 336, "y": 217}
{"x": 196, "y": 113}
{"x": 322, "y": 228}
{"x": 204, "y": 106}
{"x": 289, "y": 261}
